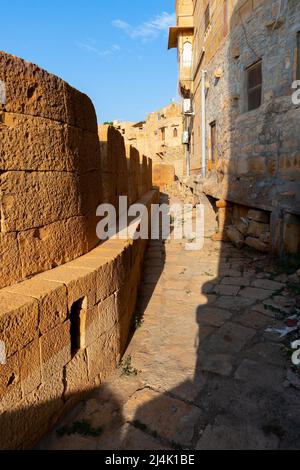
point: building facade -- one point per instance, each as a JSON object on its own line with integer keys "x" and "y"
{"x": 241, "y": 118}
{"x": 159, "y": 137}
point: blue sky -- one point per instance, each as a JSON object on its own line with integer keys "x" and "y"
{"x": 115, "y": 51}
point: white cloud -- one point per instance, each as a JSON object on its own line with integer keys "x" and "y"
{"x": 149, "y": 29}
{"x": 90, "y": 46}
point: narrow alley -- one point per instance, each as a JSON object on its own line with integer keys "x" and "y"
{"x": 201, "y": 371}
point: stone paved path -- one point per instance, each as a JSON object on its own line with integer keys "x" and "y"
{"x": 208, "y": 375}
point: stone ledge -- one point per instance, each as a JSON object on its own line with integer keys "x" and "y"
{"x": 36, "y": 318}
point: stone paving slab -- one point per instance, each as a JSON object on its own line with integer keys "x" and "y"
{"x": 203, "y": 373}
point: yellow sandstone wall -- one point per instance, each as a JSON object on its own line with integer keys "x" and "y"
{"x": 163, "y": 175}
{"x": 50, "y": 179}
{"x": 66, "y": 328}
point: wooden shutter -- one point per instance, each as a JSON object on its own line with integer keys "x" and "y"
{"x": 254, "y": 85}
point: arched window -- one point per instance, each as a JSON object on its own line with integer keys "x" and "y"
{"x": 187, "y": 55}
{"x": 175, "y": 132}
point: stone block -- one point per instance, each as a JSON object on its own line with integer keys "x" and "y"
{"x": 80, "y": 282}
{"x": 230, "y": 338}
{"x": 10, "y": 384}
{"x": 10, "y": 263}
{"x": 44, "y": 248}
{"x": 83, "y": 149}
{"x": 18, "y": 321}
{"x": 31, "y": 90}
{"x": 30, "y": 367}
{"x": 257, "y": 244}
{"x": 103, "y": 355}
{"x": 172, "y": 419}
{"x": 76, "y": 374}
{"x": 259, "y": 216}
{"x": 80, "y": 111}
{"x": 52, "y": 299}
{"x": 55, "y": 349}
{"x": 256, "y": 293}
{"x": 257, "y": 229}
{"x": 242, "y": 226}
{"x": 33, "y": 199}
{"x": 101, "y": 319}
{"x": 235, "y": 236}
{"x": 29, "y": 143}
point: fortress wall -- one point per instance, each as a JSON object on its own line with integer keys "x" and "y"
{"x": 66, "y": 300}
{"x": 50, "y": 178}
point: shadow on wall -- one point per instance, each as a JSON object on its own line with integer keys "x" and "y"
{"x": 250, "y": 408}
{"x": 256, "y": 181}
{"x": 76, "y": 364}
{"x": 249, "y": 105}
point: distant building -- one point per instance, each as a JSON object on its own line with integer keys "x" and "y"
{"x": 159, "y": 136}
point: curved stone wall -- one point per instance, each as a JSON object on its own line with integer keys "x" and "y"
{"x": 50, "y": 178}
{"x": 63, "y": 329}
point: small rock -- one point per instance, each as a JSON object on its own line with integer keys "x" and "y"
{"x": 257, "y": 244}
{"x": 235, "y": 236}
{"x": 259, "y": 216}
{"x": 242, "y": 226}
{"x": 294, "y": 278}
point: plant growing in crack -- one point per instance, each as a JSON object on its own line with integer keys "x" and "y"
{"x": 126, "y": 367}
{"x": 83, "y": 428}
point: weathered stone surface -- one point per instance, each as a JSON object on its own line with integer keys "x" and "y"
{"x": 65, "y": 240}
{"x": 10, "y": 383}
{"x": 30, "y": 367}
{"x": 30, "y": 90}
{"x": 221, "y": 364}
{"x": 259, "y": 216}
{"x": 255, "y": 293}
{"x": 227, "y": 289}
{"x": 235, "y": 236}
{"x": 257, "y": 375}
{"x": 55, "y": 349}
{"x": 76, "y": 375}
{"x": 234, "y": 303}
{"x": 257, "y": 229}
{"x": 52, "y": 299}
{"x": 10, "y": 261}
{"x": 243, "y": 437}
{"x": 18, "y": 321}
{"x": 242, "y": 226}
{"x": 171, "y": 419}
{"x": 80, "y": 282}
{"x": 213, "y": 316}
{"x": 231, "y": 337}
{"x": 31, "y": 200}
{"x": 236, "y": 281}
{"x": 257, "y": 244}
{"x": 101, "y": 319}
{"x": 268, "y": 284}
{"x": 103, "y": 354}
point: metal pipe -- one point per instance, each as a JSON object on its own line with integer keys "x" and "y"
{"x": 188, "y": 165}
{"x": 203, "y": 125}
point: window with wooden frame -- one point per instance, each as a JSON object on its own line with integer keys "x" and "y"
{"x": 254, "y": 85}
{"x": 213, "y": 142}
{"x": 175, "y": 132}
{"x": 207, "y": 17}
{"x": 298, "y": 57}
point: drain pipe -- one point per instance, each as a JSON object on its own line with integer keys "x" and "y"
{"x": 188, "y": 164}
{"x": 203, "y": 98}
